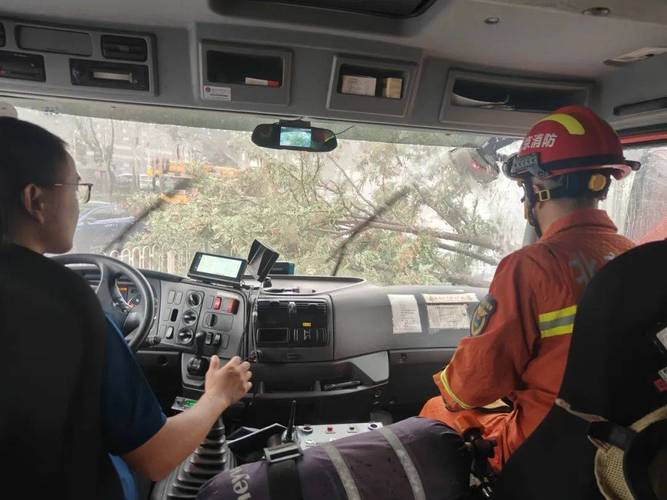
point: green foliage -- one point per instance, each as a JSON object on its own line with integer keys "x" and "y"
{"x": 306, "y": 205}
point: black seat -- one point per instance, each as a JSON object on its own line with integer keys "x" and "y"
{"x": 53, "y": 352}
{"x": 612, "y": 371}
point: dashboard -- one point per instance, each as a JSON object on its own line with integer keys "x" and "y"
{"x": 313, "y": 338}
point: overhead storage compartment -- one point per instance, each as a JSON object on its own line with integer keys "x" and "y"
{"x": 392, "y": 8}
{"x": 486, "y": 102}
{"x": 124, "y": 48}
{"x": 245, "y": 73}
{"x": 371, "y": 86}
{"x": 54, "y": 59}
{"x": 22, "y": 66}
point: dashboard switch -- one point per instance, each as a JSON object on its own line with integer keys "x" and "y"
{"x": 186, "y": 336}
{"x": 231, "y": 306}
{"x": 170, "y": 332}
{"x": 209, "y": 338}
{"x": 217, "y": 303}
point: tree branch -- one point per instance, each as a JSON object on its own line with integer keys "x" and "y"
{"x": 443, "y": 235}
{"x": 478, "y": 256}
{"x": 354, "y": 186}
{"x": 448, "y": 218}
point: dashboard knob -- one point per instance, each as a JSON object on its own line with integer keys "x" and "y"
{"x": 189, "y": 317}
{"x": 185, "y": 336}
{"x": 194, "y": 299}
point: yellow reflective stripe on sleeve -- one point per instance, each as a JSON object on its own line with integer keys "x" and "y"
{"x": 557, "y": 330}
{"x": 445, "y": 383}
{"x": 555, "y": 323}
{"x": 560, "y": 313}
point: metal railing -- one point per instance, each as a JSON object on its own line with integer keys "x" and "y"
{"x": 161, "y": 258}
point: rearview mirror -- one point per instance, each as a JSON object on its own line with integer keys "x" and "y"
{"x": 294, "y": 135}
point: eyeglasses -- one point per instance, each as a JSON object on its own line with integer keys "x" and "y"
{"x": 83, "y": 191}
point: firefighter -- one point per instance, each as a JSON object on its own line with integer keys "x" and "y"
{"x": 520, "y": 332}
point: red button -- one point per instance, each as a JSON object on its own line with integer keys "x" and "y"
{"x": 232, "y": 306}
{"x": 217, "y": 302}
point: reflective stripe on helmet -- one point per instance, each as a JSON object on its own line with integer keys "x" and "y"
{"x": 571, "y": 124}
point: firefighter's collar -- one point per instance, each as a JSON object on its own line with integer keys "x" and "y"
{"x": 582, "y": 217}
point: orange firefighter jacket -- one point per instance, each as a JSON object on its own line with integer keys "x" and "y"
{"x": 521, "y": 331}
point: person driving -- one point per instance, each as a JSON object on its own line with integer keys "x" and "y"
{"x": 521, "y": 331}
{"x": 40, "y": 192}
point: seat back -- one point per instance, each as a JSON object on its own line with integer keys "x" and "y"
{"x": 612, "y": 371}
{"x": 53, "y": 344}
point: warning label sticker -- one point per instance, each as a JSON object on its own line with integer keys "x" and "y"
{"x": 449, "y": 298}
{"x": 448, "y": 317}
{"x": 405, "y": 314}
{"x": 216, "y": 93}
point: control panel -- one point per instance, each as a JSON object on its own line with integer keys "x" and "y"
{"x": 191, "y": 311}
{"x": 308, "y": 436}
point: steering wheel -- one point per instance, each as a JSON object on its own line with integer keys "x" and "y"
{"x": 137, "y": 318}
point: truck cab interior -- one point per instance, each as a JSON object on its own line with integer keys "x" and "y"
{"x": 360, "y": 141}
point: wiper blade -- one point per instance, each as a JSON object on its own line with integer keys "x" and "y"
{"x": 119, "y": 240}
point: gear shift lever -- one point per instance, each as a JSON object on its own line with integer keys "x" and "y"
{"x": 198, "y": 365}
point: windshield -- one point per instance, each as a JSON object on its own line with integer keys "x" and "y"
{"x": 439, "y": 214}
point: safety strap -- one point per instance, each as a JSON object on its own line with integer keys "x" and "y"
{"x": 284, "y": 482}
{"x": 408, "y": 465}
{"x": 346, "y": 479}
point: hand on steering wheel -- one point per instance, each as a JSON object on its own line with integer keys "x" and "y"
{"x": 112, "y": 301}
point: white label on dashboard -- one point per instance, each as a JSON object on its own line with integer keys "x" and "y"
{"x": 448, "y": 317}
{"x": 449, "y": 298}
{"x": 405, "y": 314}
{"x": 216, "y": 93}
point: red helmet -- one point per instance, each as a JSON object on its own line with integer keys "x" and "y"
{"x": 572, "y": 139}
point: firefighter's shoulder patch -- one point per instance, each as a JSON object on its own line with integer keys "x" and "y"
{"x": 482, "y": 315}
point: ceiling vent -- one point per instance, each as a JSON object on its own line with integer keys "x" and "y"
{"x": 124, "y": 48}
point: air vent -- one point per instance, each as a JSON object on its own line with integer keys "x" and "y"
{"x": 3, "y": 37}
{"x": 293, "y": 323}
{"x": 124, "y": 48}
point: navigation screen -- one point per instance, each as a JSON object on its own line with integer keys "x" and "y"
{"x": 220, "y": 266}
{"x": 295, "y": 137}
{"x": 217, "y": 266}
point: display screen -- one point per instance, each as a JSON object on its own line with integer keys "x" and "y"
{"x": 217, "y": 266}
{"x": 295, "y": 137}
{"x": 220, "y": 266}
